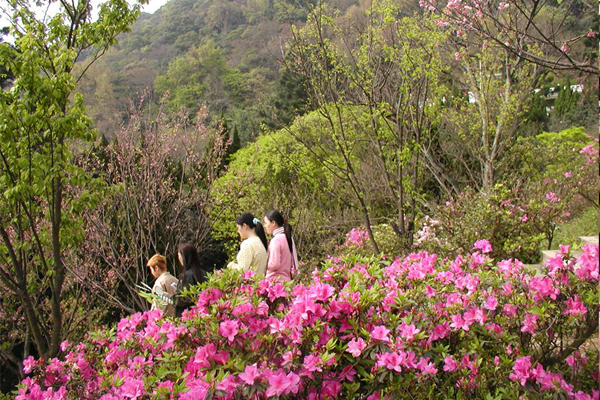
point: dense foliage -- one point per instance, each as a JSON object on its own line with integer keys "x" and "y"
{"x": 466, "y": 327}
{"x": 401, "y": 126}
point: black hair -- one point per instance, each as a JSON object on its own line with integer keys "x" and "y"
{"x": 248, "y": 219}
{"x": 191, "y": 261}
{"x": 276, "y": 217}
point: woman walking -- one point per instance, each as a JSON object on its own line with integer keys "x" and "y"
{"x": 253, "y": 249}
{"x": 193, "y": 274}
{"x": 283, "y": 258}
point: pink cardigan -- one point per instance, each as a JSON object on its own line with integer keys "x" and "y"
{"x": 279, "y": 265}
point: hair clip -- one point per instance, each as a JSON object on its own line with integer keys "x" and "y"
{"x": 256, "y": 221}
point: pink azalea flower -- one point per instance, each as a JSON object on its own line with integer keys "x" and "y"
{"x": 440, "y": 331}
{"x": 330, "y": 389}
{"x": 391, "y": 361}
{"x": 426, "y": 367}
{"x": 276, "y": 291}
{"x": 483, "y": 245}
{"x": 408, "y": 331}
{"x": 430, "y": 292}
{"x": 229, "y": 329}
{"x": 28, "y": 364}
{"x": 347, "y": 373}
{"x": 250, "y": 374}
{"x": 491, "y": 303}
{"x": 293, "y": 383}
{"x": 229, "y": 384}
{"x": 312, "y": 363}
{"x": 380, "y": 332}
{"x": 521, "y": 370}
{"x": 356, "y": 347}
{"x": 64, "y": 345}
{"x": 450, "y": 364}
{"x": 574, "y": 307}
{"x": 459, "y": 323}
{"x": 530, "y": 323}
{"x": 278, "y": 384}
{"x": 132, "y": 389}
{"x": 552, "y": 197}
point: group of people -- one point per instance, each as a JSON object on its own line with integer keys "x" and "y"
{"x": 276, "y": 261}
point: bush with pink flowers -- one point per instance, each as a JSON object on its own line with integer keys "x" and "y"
{"x": 419, "y": 327}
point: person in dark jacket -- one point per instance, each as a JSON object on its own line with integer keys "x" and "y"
{"x": 192, "y": 275}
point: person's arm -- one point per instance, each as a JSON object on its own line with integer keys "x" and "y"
{"x": 244, "y": 258}
{"x": 274, "y": 262}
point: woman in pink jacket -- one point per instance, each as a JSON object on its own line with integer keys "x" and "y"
{"x": 283, "y": 259}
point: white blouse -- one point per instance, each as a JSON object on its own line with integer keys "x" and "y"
{"x": 252, "y": 255}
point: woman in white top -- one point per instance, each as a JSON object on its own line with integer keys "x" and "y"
{"x": 253, "y": 250}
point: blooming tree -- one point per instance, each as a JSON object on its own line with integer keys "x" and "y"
{"x": 160, "y": 171}
{"x": 532, "y": 30}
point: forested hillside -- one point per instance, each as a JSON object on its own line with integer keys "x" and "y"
{"x": 225, "y": 54}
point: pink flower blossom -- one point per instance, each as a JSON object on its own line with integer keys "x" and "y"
{"x": 491, "y": 303}
{"x": 530, "y": 323}
{"x": 503, "y": 5}
{"x": 483, "y": 245}
{"x": 564, "y": 48}
{"x": 457, "y": 56}
{"x": 250, "y": 374}
{"x": 459, "y": 323}
{"x": 450, "y": 364}
{"x": 408, "y": 331}
{"x": 229, "y": 384}
{"x": 28, "y": 364}
{"x": 521, "y": 370}
{"x": 426, "y": 367}
{"x": 229, "y": 329}
{"x": 380, "y": 332}
{"x": 132, "y": 389}
{"x": 312, "y": 363}
{"x": 391, "y": 361}
{"x": 356, "y": 347}
{"x": 330, "y": 389}
{"x": 278, "y": 384}
{"x": 574, "y": 307}
{"x": 440, "y": 331}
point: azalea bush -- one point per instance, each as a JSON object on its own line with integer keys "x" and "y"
{"x": 418, "y": 327}
{"x": 501, "y": 215}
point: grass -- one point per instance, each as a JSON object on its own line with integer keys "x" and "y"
{"x": 585, "y": 224}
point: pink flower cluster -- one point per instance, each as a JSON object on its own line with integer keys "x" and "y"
{"x": 368, "y": 329}
{"x": 356, "y": 238}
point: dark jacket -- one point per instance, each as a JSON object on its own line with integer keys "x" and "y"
{"x": 189, "y": 279}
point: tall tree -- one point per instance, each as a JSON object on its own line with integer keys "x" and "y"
{"x": 41, "y": 120}
{"x": 378, "y": 63}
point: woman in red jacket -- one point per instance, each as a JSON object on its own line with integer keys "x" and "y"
{"x": 283, "y": 259}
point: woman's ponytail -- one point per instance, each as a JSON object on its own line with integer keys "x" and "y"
{"x": 260, "y": 232}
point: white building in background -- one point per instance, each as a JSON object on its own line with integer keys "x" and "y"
{"x": 551, "y": 96}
